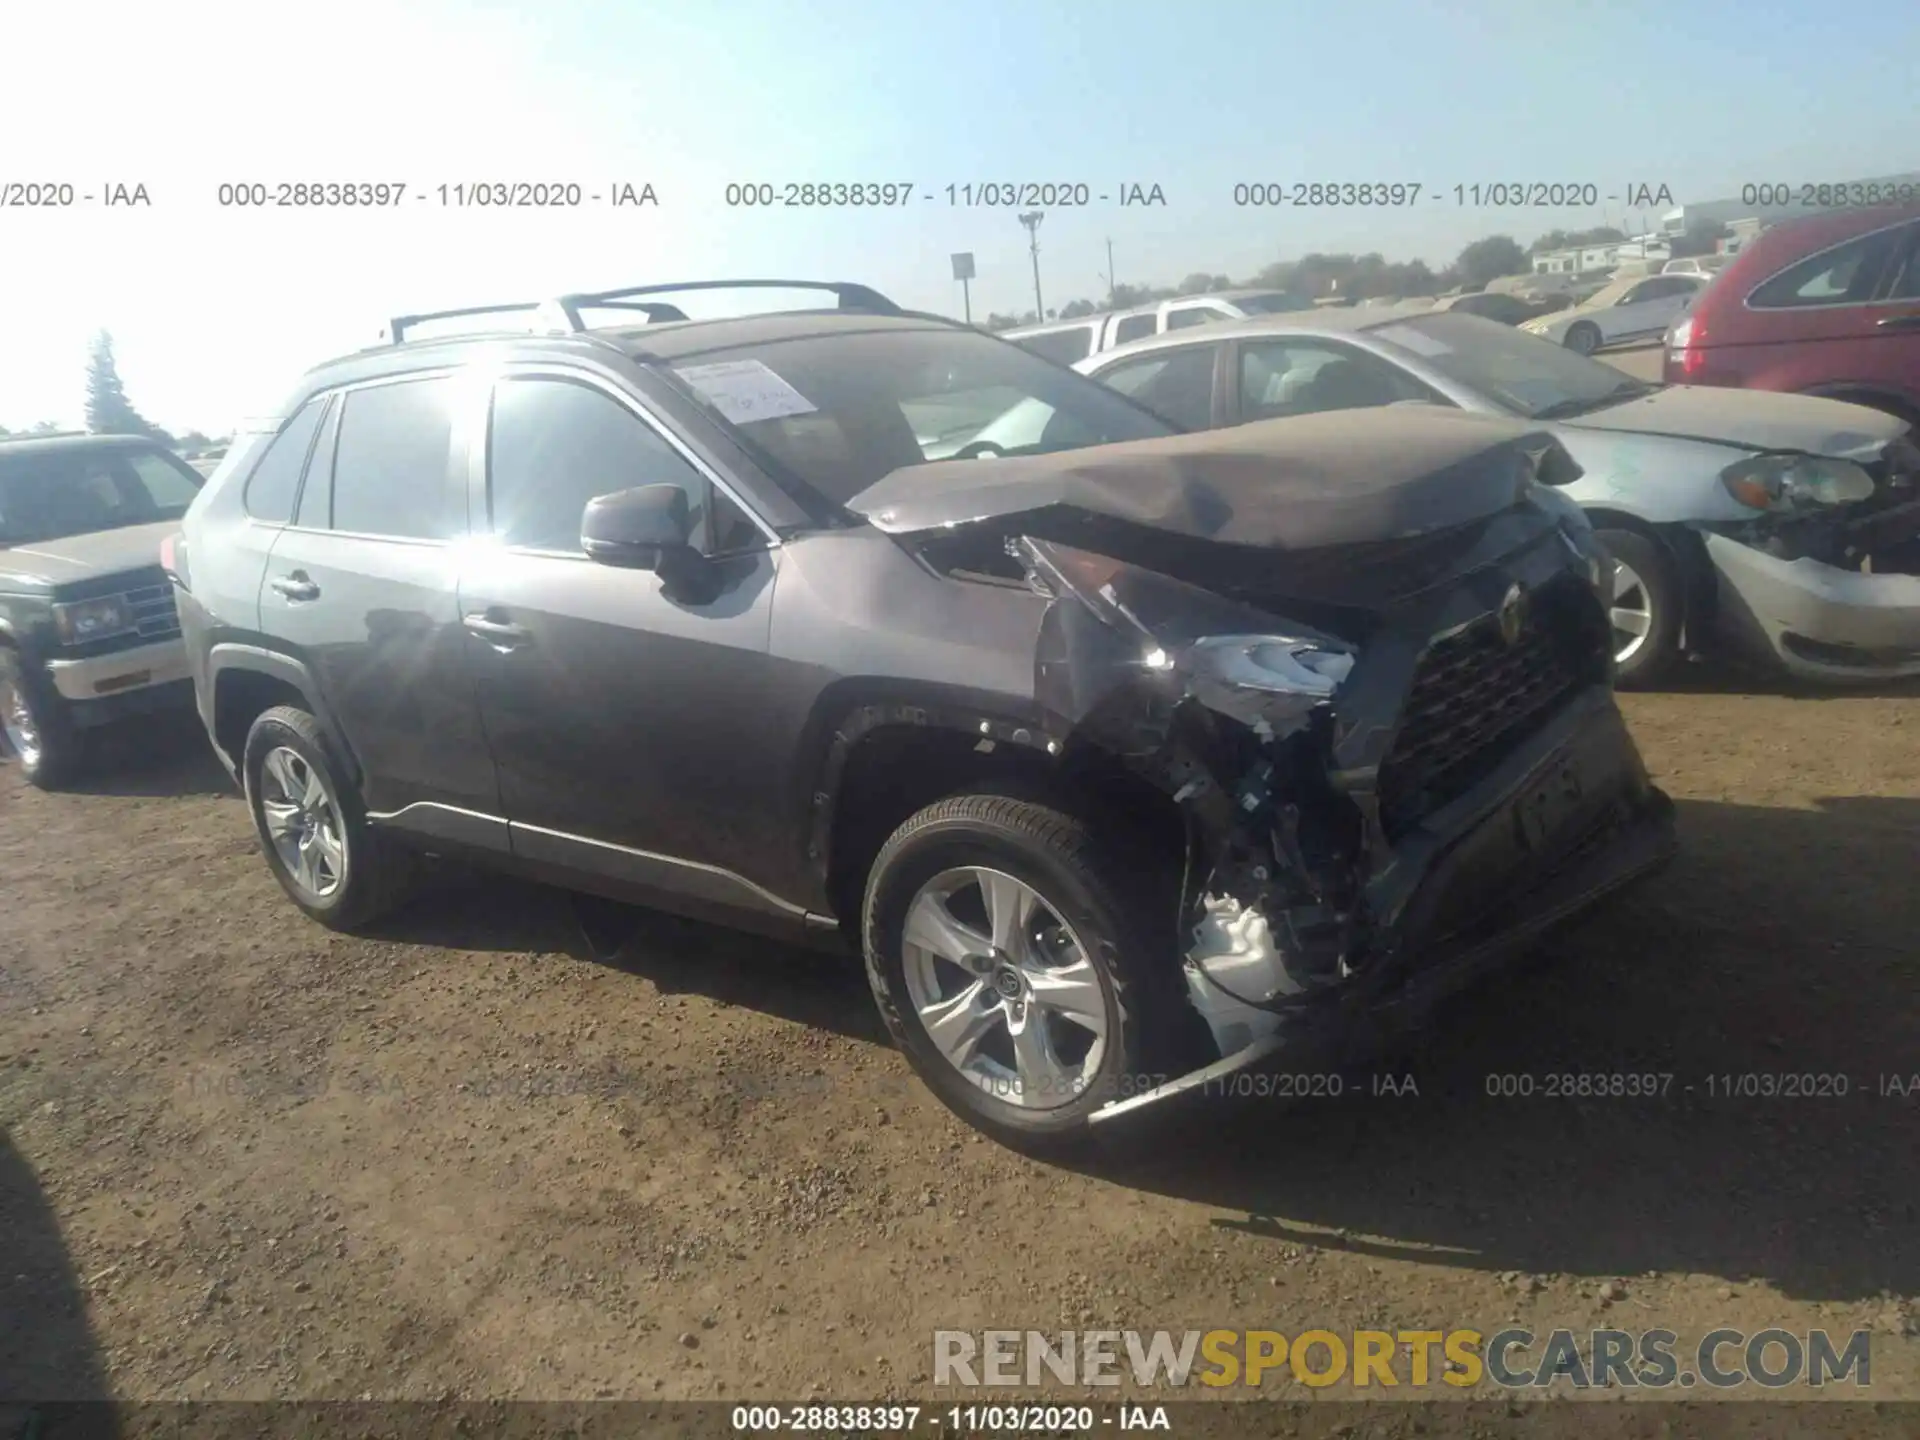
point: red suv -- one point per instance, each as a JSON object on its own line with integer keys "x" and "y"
{"x": 1828, "y": 305}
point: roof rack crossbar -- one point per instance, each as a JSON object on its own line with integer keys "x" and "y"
{"x": 563, "y": 313}
{"x": 653, "y": 310}
{"x": 850, "y": 295}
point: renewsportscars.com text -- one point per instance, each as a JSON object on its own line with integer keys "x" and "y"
{"x": 1515, "y": 1358}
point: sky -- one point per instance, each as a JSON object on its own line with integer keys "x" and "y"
{"x": 216, "y": 309}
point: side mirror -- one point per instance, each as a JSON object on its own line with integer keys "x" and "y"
{"x": 650, "y": 527}
{"x": 646, "y": 528}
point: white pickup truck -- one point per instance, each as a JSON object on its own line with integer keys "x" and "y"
{"x": 1068, "y": 341}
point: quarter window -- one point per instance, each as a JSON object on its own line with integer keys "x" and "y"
{"x": 276, "y": 479}
{"x": 390, "y": 462}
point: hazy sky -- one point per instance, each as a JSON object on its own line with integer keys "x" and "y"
{"x": 214, "y": 310}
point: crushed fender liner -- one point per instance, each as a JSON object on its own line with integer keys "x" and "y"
{"x": 1368, "y": 659}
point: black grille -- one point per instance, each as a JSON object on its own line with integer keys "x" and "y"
{"x": 153, "y": 611}
{"x": 1473, "y": 698}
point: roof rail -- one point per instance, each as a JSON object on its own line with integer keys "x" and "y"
{"x": 563, "y": 314}
{"x": 851, "y": 296}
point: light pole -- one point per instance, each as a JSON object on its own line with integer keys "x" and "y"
{"x": 1031, "y": 219}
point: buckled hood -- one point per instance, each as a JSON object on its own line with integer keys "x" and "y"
{"x": 1300, "y": 483}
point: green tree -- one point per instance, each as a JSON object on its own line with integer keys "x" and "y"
{"x": 109, "y": 412}
{"x": 1491, "y": 257}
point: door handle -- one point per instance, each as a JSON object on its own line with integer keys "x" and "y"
{"x": 296, "y": 586}
{"x": 497, "y": 632}
{"x": 1899, "y": 322}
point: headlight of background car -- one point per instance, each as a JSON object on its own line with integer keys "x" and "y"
{"x": 1784, "y": 483}
{"x": 83, "y": 620}
{"x": 1283, "y": 664}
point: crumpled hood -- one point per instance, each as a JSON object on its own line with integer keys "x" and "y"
{"x": 82, "y": 557}
{"x": 1751, "y": 420}
{"x": 1295, "y": 484}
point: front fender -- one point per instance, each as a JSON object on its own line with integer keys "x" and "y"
{"x": 1658, "y": 479}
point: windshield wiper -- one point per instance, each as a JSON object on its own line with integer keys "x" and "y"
{"x": 1574, "y": 405}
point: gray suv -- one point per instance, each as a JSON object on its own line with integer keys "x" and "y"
{"x": 1129, "y": 761}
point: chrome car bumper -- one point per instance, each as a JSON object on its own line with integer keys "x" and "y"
{"x": 101, "y": 676}
{"x": 1818, "y": 622}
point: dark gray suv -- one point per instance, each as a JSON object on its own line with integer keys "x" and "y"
{"x": 1130, "y": 760}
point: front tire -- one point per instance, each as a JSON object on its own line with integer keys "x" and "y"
{"x": 1012, "y": 962}
{"x": 1584, "y": 338}
{"x": 1646, "y": 611}
{"x": 313, "y": 829}
{"x": 40, "y": 735}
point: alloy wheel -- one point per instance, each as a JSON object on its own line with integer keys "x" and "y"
{"x": 23, "y": 735}
{"x": 303, "y": 822}
{"x": 1631, "y": 613}
{"x": 1006, "y": 991}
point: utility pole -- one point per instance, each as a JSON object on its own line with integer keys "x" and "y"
{"x": 1113, "y": 289}
{"x": 1031, "y": 219}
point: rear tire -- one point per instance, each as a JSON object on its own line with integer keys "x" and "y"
{"x": 38, "y": 731}
{"x": 1066, "y": 1013}
{"x": 313, "y": 829}
{"x": 1647, "y": 608}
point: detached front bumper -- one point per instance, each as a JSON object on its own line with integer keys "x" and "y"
{"x": 1478, "y": 884}
{"x": 1816, "y": 621}
{"x": 102, "y": 688}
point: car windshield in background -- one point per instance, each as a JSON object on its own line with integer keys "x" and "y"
{"x": 838, "y": 412}
{"x": 49, "y": 495}
{"x": 1528, "y": 376}
{"x": 1278, "y": 302}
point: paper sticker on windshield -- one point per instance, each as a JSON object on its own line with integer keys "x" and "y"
{"x": 745, "y": 391}
{"x": 1418, "y": 341}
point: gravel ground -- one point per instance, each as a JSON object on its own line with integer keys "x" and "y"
{"x": 242, "y": 1157}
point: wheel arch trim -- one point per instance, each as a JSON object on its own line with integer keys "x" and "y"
{"x": 230, "y": 656}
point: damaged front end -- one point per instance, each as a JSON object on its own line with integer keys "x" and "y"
{"x": 1355, "y": 803}
{"x": 1823, "y": 571}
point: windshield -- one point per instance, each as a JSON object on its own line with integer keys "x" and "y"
{"x": 51, "y": 494}
{"x": 1610, "y": 293}
{"x": 840, "y": 411}
{"x": 1521, "y": 373}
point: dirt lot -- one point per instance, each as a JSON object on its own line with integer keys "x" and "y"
{"x": 243, "y": 1157}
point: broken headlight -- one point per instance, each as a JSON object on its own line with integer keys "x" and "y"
{"x": 1281, "y": 664}
{"x": 1782, "y": 484}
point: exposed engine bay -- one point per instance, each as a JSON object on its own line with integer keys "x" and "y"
{"x": 1370, "y": 668}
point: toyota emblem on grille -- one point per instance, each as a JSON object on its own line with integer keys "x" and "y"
{"x": 1513, "y": 614}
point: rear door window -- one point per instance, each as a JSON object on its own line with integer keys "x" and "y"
{"x": 1844, "y": 275}
{"x": 390, "y": 466}
{"x": 1133, "y": 327}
